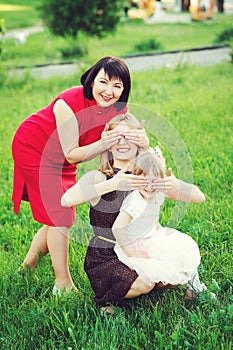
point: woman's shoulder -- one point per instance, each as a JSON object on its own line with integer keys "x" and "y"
{"x": 74, "y": 98}
{"x": 73, "y": 90}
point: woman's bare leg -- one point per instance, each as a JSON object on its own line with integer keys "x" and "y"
{"x": 58, "y": 245}
{"x": 139, "y": 287}
{"x": 39, "y": 245}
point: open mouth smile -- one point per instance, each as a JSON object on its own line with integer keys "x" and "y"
{"x": 106, "y": 99}
{"x": 123, "y": 150}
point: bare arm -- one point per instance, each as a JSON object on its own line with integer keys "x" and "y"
{"x": 94, "y": 184}
{"x": 89, "y": 188}
{"x": 179, "y": 190}
{"x": 68, "y": 132}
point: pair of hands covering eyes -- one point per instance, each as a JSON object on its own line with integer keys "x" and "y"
{"x": 136, "y": 136}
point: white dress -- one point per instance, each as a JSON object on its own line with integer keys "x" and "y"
{"x": 173, "y": 255}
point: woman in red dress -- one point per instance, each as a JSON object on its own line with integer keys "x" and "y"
{"x": 47, "y": 146}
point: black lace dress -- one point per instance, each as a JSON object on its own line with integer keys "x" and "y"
{"x": 109, "y": 277}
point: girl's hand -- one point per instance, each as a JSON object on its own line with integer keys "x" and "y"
{"x": 169, "y": 184}
{"x": 127, "y": 182}
{"x": 138, "y": 137}
{"x": 178, "y": 190}
{"x": 110, "y": 138}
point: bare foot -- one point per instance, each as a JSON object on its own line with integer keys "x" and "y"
{"x": 57, "y": 291}
{"x": 190, "y": 294}
{"x": 107, "y": 310}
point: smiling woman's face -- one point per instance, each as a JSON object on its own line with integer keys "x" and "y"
{"x": 124, "y": 150}
{"x": 106, "y": 91}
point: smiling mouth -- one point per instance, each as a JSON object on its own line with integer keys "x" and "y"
{"x": 123, "y": 150}
{"x": 106, "y": 99}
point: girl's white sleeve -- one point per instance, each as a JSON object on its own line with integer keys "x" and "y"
{"x": 133, "y": 204}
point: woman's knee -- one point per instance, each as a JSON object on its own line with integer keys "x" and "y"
{"x": 142, "y": 287}
{"x": 145, "y": 289}
{"x": 64, "y": 230}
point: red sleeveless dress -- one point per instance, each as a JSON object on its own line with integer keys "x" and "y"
{"x": 41, "y": 172}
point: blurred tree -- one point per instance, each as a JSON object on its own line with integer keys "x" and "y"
{"x": 92, "y": 17}
{"x": 185, "y": 4}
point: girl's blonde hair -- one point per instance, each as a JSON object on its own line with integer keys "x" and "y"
{"x": 106, "y": 159}
{"x": 149, "y": 160}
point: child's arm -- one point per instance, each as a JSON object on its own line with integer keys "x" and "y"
{"x": 118, "y": 229}
{"x": 93, "y": 185}
{"x": 179, "y": 190}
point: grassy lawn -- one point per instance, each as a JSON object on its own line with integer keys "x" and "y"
{"x": 44, "y": 48}
{"x": 196, "y": 103}
{"x": 19, "y": 14}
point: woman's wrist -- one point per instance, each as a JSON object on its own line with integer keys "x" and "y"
{"x": 101, "y": 146}
{"x": 111, "y": 184}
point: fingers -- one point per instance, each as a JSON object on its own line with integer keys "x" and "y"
{"x": 106, "y": 128}
{"x": 136, "y": 143}
{"x": 111, "y": 134}
{"x": 167, "y": 184}
{"x": 159, "y": 188}
{"x": 127, "y": 182}
{"x": 169, "y": 172}
{"x": 110, "y": 138}
{"x": 141, "y": 126}
{"x": 136, "y": 179}
{"x": 133, "y": 134}
{"x": 137, "y": 137}
{"x": 160, "y": 185}
{"x": 109, "y": 143}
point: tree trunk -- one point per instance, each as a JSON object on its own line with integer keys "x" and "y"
{"x": 220, "y": 4}
{"x": 185, "y": 5}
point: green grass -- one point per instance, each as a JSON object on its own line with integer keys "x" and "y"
{"x": 44, "y": 48}
{"x": 19, "y": 14}
{"x": 198, "y": 104}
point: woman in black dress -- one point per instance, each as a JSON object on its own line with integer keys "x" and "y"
{"x": 105, "y": 189}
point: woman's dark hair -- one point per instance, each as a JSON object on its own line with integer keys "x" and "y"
{"x": 114, "y": 68}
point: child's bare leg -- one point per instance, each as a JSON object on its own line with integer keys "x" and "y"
{"x": 139, "y": 287}
{"x": 58, "y": 245}
{"x": 39, "y": 245}
{"x": 161, "y": 286}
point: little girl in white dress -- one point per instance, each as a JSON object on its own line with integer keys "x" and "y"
{"x": 156, "y": 253}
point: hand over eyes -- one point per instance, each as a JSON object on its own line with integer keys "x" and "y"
{"x": 138, "y": 137}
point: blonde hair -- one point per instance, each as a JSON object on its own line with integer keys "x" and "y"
{"x": 106, "y": 159}
{"x": 149, "y": 160}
